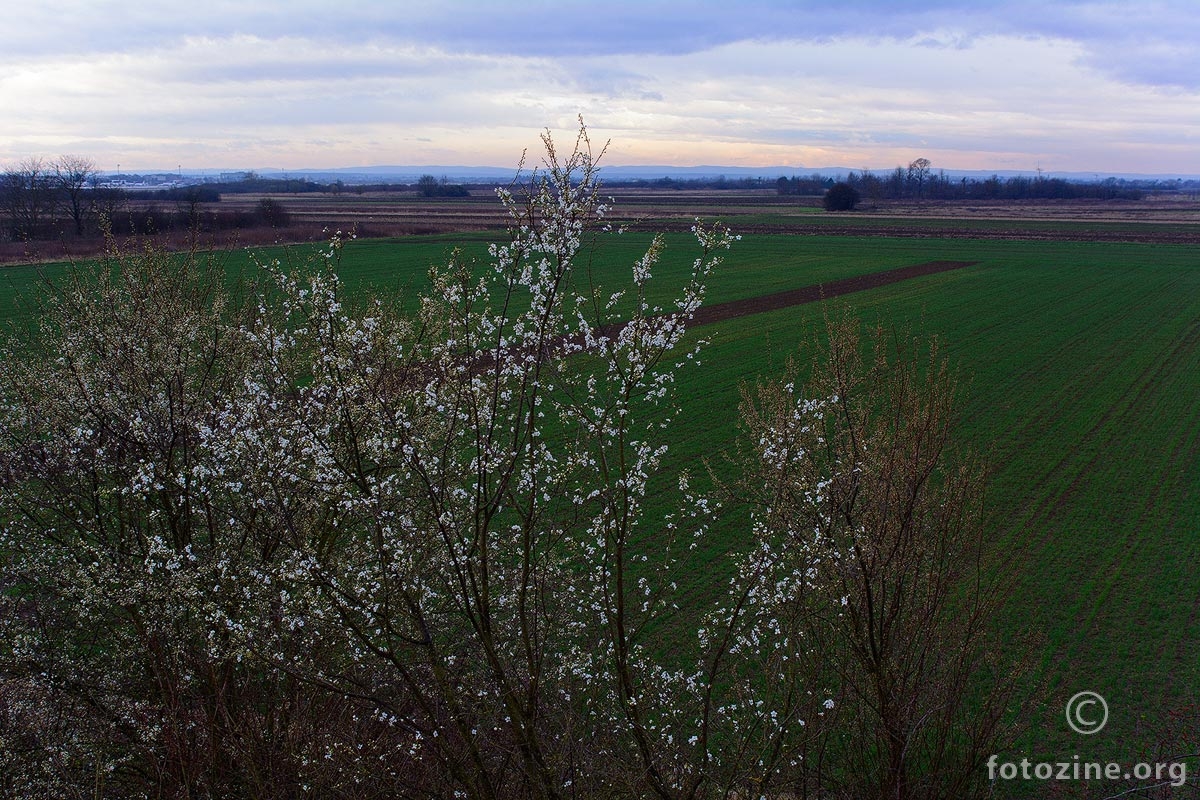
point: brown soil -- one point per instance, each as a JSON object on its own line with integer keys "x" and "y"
{"x": 1144, "y": 232}
{"x": 720, "y": 312}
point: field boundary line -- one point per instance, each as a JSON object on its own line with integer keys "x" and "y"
{"x": 732, "y": 309}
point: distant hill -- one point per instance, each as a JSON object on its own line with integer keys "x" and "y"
{"x": 409, "y": 174}
{"x": 485, "y": 174}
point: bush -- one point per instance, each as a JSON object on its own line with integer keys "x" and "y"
{"x": 273, "y": 213}
{"x": 840, "y": 197}
{"x": 855, "y": 464}
{"x": 267, "y": 541}
{"x": 429, "y": 186}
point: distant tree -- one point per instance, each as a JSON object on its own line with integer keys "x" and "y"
{"x": 992, "y": 187}
{"x": 73, "y": 175}
{"x": 427, "y": 185}
{"x": 918, "y": 175}
{"x": 871, "y": 184}
{"x": 11, "y": 190}
{"x": 272, "y": 213}
{"x": 430, "y": 186}
{"x": 841, "y": 197}
{"x": 189, "y": 203}
{"x": 107, "y": 202}
{"x": 814, "y": 184}
{"x": 28, "y": 197}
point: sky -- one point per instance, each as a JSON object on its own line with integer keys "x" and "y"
{"x": 1060, "y": 85}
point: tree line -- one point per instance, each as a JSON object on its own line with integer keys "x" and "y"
{"x": 65, "y": 197}
{"x": 42, "y": 199}
{"x": 918, "y": 181}
{"x": 53, "y": 199}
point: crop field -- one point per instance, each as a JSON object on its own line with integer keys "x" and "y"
{"x": 1082, "y": 369}
{"x": 378, "y": 214}
{"x": 1081, "y": 366}
{"x": 1080, "y": 362}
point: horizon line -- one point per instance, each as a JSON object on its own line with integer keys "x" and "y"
{"x": 660, "y": 170}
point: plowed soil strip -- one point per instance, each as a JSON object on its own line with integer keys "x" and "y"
{"x": 720, "y": 312}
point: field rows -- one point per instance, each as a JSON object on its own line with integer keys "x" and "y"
{"x": 1082, "y": 371}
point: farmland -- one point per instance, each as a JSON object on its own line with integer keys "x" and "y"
{"x": 1079, "y": 345}
{"x": 309, "y": 217}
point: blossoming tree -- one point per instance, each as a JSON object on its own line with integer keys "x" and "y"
{"x": 263, "y": 540}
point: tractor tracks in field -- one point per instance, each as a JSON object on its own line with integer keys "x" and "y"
{"x": 719, "y": 312}
{"x": 734, "y": 309}
{"x": 486, "y": 359}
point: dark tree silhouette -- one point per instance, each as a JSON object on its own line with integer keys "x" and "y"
{"x": 73, "y": 175}
{"x": 841, "y": 197}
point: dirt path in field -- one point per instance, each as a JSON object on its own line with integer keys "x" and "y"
{"x": 719, "y": 312}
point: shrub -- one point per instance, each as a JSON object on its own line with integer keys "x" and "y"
{"x": 429, "y": 186}
{"x": 854, "y": 466}
{"x": 273, "y": 213}
{"x": 840, "y": 197}
{"x": 265, "y": 541}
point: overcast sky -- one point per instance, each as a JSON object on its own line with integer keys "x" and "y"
{"x": 970, "y": 84}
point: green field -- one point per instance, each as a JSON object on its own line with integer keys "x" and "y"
{"x": 1084, "y": 376}
{"x": 1083, "y": 387}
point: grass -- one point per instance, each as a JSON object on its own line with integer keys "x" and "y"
{"x": 400, "y": 266}
{"x": 1083, "y": 366}
{"x": 817, "y": 222}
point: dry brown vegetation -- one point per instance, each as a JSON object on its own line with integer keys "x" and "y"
{"x": 1165, "y": 217}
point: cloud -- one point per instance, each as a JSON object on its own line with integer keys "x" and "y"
{"x": 1149, "y": 42}
{"x": 564, "y": 28}
{"x": 454, "y": 81}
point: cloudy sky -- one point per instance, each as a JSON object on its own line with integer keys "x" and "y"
{"x": 970, "y": 84}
